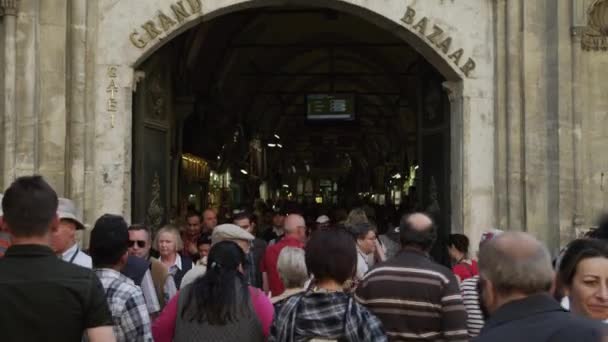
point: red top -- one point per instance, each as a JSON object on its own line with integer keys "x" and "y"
{"x": 464, "y": 270}
{"x": 269, "y": 263}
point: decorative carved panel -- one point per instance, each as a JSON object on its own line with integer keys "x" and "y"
{"x": 8, "y": 7}
{"x": 157, "y": 98}
{"x": 595, "y": 35}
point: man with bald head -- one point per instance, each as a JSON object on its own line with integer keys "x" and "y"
{"x": 415, "y": 298}
{"x": 295, "y": 235}
{"x": 515, "y": 277}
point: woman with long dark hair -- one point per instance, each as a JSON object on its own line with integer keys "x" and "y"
{"x": 218, "y": 306}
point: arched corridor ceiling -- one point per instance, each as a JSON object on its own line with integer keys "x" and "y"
{"x": 251, "y": 71}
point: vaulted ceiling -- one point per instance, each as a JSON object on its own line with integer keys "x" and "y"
{"x": 250, "y": 72}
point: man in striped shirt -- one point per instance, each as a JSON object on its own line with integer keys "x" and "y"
{"x": 415, "y": 298}
{"x": 470, "y": 293}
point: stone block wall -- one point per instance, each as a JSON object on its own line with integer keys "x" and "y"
{"x": 549, "y": 96}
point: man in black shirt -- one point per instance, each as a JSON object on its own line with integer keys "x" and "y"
{"x": 42, "y": 297}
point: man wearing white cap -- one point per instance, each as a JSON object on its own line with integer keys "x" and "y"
{"x": 63, "y": 240}
{"x": 5, "y": 237}
{"x": 322, "y": 222}
{"x": 223, "y": 232}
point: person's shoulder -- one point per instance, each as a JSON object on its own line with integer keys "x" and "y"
{"x": 437, "y": 267}
{"x": 469, "y": 283}
{"x": 580, "y": 325}
{"x": 260, "y": 243}
{"x": 193, "y": 273}
{"x": 273, "y": 248}
{"x": 73, "y": 270}
{"x": 126, "y": 288}
{"x": 258, "y": 296}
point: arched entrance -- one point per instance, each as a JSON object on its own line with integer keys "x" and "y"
{"x": 160, "y": 24}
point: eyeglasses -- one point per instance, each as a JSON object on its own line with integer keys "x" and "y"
{"x": 140, "y": 243}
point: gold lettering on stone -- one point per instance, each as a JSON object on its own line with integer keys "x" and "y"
{"x": 137, "y": 40}
{"x": 468, "y": 67}
{"x": 179, "y": 11}
{"x": 437, "y": 31}
{"x": 195, "y": 6}
{"x": 442, "y": 43}
{"x": 165, "y": 22}
{"x": 112, "y": 105}
{"x": 112, "y": 88}
{"x": 445, "y": 45}
{"x": 421, "y": 26}
{"x": 112, "y": 72}
{"x": 408, "y": 18}
{"x": 151, "y": 29}
{"x": 456, "y": 56}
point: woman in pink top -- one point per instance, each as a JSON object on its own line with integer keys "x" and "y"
{"x": 218, "y": 306}
{"x": 462, "y": 266}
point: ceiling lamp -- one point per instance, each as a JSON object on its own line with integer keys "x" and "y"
{"x": 272, "y": 145}
{"x": 243, "y": 171}
{"x": 279, "y": 146}
{"x": 277, "y": 136}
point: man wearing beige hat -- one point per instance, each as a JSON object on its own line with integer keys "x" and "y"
{"x": 63, "y": 240}
{"x": 223, "y": 232}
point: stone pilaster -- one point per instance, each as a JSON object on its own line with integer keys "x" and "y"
{"x": 8, "y": 9}
{"x": 472, "y": 163}
{"x": 515, "y": 168}
{"x": 75, "y": 146}
{"x": 457, "y": 157}
{"x": 53, "y": 92}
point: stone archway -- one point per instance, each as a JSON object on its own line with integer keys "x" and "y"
{"x": 130, "y": 30}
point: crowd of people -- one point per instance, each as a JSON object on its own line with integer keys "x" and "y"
{"x": 333, "y": 279}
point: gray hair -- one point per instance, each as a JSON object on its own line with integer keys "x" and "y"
{"x": 292, "y": 267}
{"x": 356, "y": 216}
{"x": 179, "y": 244}
{"x": 516, "y": 262}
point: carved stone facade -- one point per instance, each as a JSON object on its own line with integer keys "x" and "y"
{"x": 595, "y": 35}
{"x": 526, "y": 81}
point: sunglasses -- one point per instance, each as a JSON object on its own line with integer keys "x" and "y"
{"x": 140, "y": 243}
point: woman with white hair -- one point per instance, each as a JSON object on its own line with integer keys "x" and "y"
{"x": 292, "y": 270}
{"x": 168, "y": 243}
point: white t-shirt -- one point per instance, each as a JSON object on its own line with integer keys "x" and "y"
{"x": 77, "y": 257}
{"x": 362, "y": 265}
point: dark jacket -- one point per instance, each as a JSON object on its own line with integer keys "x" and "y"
{"x": 538, "y": 318}
{"x": 257, "y": 251}
{"x": 186, "y": 266}
{"x": 136, "y": 268}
